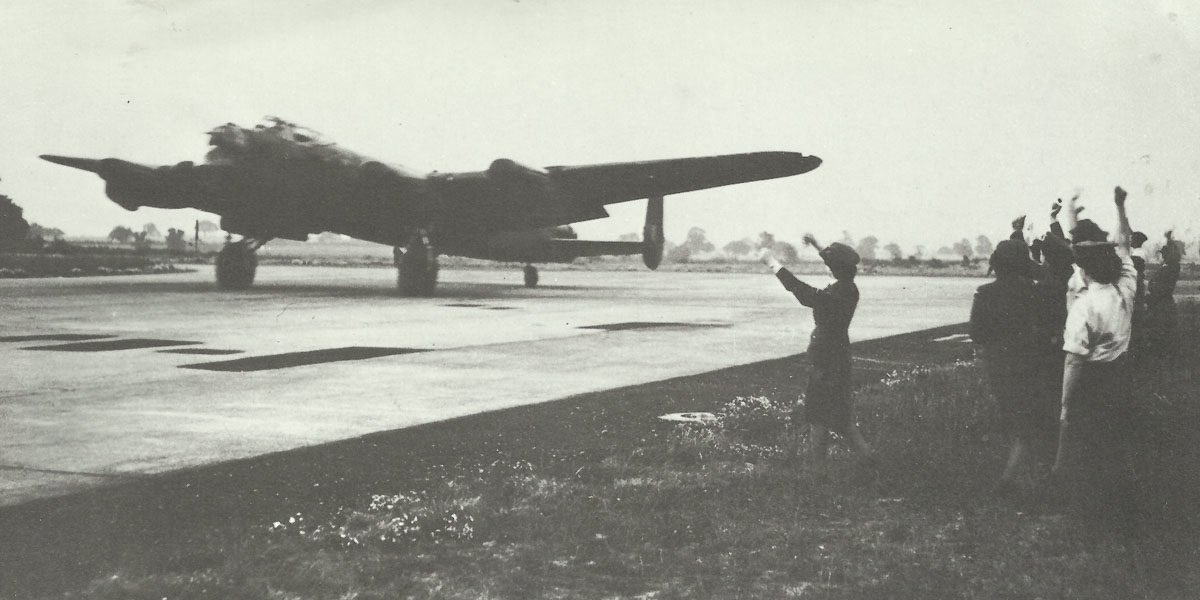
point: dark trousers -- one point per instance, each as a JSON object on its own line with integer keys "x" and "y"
{"x": 1099, "y": 446}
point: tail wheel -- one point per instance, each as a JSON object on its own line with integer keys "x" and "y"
{"x": 531, "y": 276}
{"x": 236, "y": 265}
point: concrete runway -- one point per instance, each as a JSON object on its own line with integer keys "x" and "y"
{"x": 109, "y": 379}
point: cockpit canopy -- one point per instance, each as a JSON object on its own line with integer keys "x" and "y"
{"x": 289, "y": 131}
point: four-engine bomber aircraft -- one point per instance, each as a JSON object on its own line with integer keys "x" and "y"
{"x": 279, "y": 180}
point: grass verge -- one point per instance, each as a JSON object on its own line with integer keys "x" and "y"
{"x": 729, "y": 509}
{"x": 19, "y": 266}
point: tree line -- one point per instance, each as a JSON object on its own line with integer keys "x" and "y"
{"x": 697, "y": 247}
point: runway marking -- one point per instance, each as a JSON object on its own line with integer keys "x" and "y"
{"x": 958, "y": 337}
{"x": 886, "y": 362}
{"x": 298, "y": 359}
{"x": 649, "y": 325}
{"x": 108, "y": 346}
{"x": 200, "y": 351}
{"x": 55, "y": 337}
{"x": 474, "y": 305}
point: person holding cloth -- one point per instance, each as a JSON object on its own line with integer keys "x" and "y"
{"x": 1097, "y": 416}
{"x": 827, "y": 403}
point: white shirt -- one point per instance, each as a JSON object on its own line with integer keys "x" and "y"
{"x": 1100, "y": 317}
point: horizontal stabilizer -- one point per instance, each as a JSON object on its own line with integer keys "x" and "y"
{"x": 595, "y": 248}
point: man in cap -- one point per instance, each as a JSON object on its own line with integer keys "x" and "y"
{"x": 827, "y": 402}
{"x": 1005, "y": 323}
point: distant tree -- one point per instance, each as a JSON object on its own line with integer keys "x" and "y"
{"x": 866, "y": 247}
{"x": 766, "y": 240}
{"x": 739, "y": 247}
{"x": 14, "y": 229}
{"x": 676, "y": 253}
{"x": 786, "y": 252}
{"x": 697, "y": 241}
{"x": 141, "y": 241}
{"x": 176, "y": 241}
{"x": 983, "y": 246}
{"x": 151, "y": 231}
{"x": 920, "y": 253}
{"x": 630, "y": 237}
{"x": 45, "y": 233}
{"x": 894, "y": 249}
{"x": 945, "y": 250}
{"x": 963, "y": 248}
{"x": 121, "y": 234}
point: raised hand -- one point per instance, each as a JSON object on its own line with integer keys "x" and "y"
{"x": 1119, "y": 196}
{"x": 1018, "y": 224}
{"x": 766, "y": 256}
{"x": 811, "y": 241}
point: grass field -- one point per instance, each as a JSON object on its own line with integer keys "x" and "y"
{"x": 595, "y": 503}
{"x": 19, "y": 266}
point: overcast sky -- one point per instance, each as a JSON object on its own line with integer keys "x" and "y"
{"x": 936, "y": 120}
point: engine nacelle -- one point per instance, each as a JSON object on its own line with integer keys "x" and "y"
{"x": 506, "y": 170}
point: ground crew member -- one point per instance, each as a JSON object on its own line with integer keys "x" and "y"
{"x": 1006, "y": 324}
{"x": 1096, "y": 418}
{"x": 1162, "y": 319}
{"x": 827, "y": 403}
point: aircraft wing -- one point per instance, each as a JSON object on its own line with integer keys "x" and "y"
{"x": 133, "y": 185}
{"x": 621, "y": 182}
{"x": 509, "y": 196}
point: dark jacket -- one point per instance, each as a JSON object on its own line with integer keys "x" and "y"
{"x": 1005, "y": 315}
{"x": 833, "y": 309}
{"x": 1162, "y": 284}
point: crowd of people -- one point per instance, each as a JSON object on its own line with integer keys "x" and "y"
{"x": 1068, "y": 318}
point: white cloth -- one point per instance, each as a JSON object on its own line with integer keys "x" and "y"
{"x": 1100, "y": 317}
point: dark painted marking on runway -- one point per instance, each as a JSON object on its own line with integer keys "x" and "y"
{"x": 473, "y": 305}
{"x": 650, "y": 325}
{"x": 108, "y": 346}
{"x": 55, "y": 337}
{"x": 200, "y": 351}
{"x": 298, "y": 359}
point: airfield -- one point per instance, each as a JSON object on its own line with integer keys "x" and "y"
{"x": 114, "y": 379}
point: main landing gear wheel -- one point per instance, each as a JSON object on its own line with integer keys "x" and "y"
{"x": 531, "y": 276}
{"x": 417, "y": 267}
{"x": 236, "y": 264}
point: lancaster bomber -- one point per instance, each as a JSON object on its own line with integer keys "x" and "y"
{"x": 280, "y": 180}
